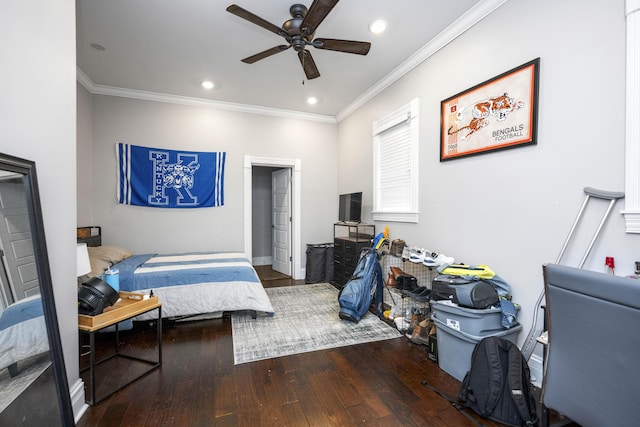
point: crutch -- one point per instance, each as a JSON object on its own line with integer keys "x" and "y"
{"x": 612, "y": 197}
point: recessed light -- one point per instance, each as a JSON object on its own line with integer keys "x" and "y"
{"x": 378, "y": 26}
{"x": 312, "y": 100}
{"x": 207, "y": 84}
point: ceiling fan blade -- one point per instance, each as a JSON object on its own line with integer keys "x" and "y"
{"x": 348, "y": 46}
{"x": 255, "y": 19}
{"x": 318, "y": 10}
{"x": 309, "y": 66}
{"x": 265, "y": 54}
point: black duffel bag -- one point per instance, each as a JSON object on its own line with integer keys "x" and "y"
{"x": 471, "y": 292}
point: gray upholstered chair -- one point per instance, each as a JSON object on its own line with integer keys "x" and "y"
{"x": 592, "y": 365}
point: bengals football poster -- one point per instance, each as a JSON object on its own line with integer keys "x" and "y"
{"x": 497, "y": 114}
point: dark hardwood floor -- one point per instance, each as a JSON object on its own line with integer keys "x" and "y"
{"x": 374, "y": 384}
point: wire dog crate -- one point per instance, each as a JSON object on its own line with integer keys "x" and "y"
{"x": 400, "y": 303}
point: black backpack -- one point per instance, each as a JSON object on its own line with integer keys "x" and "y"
{"x": 497, "y": 385}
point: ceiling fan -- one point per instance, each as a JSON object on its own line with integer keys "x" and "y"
{"x": 299, "y": 33}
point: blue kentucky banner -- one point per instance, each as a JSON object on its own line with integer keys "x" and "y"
{"x": 169, "y": 178}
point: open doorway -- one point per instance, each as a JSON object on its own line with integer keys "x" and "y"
{"x": 279, "y": 171}
{"x": 271, "y": 218}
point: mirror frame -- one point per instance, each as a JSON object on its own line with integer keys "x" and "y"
{"x": 27, "y": 168}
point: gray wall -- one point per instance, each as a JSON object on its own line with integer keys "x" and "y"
{"x": 171, "y": 126}
{"x": 83, "y": 149}
{"x": 37, "y": 122}
{"x": 513, "y": 209}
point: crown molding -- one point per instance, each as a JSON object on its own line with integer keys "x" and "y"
{"x": 453, "y": 31}
{"x": 98, "y": 89}
{"x": 462, "y": 24}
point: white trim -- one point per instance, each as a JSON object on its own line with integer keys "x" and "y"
{"x": 407, "y": 113}
{"x": 474, "y": 15}
{"x": 98, "y": 89}
{"x": 536, "y": 370}
{"x": 296, "y": 238}
{"x": 262, "y": 260}
{"x": 632, "y": 131}
{"x": 396, "y": 216}
{"x": 78, "y": 403}
{"x": 631, "y": 220}
{"x": 84, "y": 80}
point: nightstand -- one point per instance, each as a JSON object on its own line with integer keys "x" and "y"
{"x": 130, "y": 305}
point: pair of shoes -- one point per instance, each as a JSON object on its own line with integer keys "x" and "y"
{"x": 415, "y": 319}
{"x": 421, "y": 294}
{"x": 428, "y": 258}
{"x": 406, "y": 283}
{"x": 406, "y": 253}
{"x": 391, "y": 281}
{"x": 417, "y": 255}
{"x": 397, "y": 272}
{"x": 418, "y": 315}
{"x": 401, "y": 324}
{"x": 420, "y": 333}
{"x": 419, "y": 291}
{"x": 435, "y": 260}
{"x": 400, "y": 280}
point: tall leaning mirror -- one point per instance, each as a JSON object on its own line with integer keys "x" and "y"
{"x": 33, "y": 383}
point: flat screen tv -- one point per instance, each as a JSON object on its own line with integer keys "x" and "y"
{"x": 350, "y": 207}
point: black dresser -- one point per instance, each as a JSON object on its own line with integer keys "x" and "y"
{"x": 348, "y": 241}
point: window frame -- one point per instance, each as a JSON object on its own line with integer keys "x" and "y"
{"x": 408, "y": 114}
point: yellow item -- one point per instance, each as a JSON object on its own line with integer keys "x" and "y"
{"x": 479, "y": 270}
{"x": 380, "y": 243}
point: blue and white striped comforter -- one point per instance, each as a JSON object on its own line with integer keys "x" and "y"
{"x": 196, "y": 283}
{"x": 23, "y": 332}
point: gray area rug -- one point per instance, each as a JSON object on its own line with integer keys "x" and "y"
{"x": 306, "y": 319}
{"x": 28, "y": 371}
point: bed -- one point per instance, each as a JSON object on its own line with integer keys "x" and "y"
{"x": 196, "y": 283}
{"x": 187, "y": 284}
{"x": 23, "y": 333}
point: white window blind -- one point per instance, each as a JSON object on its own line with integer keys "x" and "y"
{"x": 395, "y": 165}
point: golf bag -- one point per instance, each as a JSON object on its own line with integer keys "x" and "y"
{"x": 356, "y": 295}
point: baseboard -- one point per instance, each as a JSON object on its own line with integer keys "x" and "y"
{"x": 535, "y": 368}
{"x": 261, "y": 260}
{"x": 78, "y": 402}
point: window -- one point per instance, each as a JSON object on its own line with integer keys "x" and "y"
{"x": 632, "y": 170}
{"x": 395, "y": 165}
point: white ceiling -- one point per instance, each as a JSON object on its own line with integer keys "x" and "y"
{"x": 170, "y": 46}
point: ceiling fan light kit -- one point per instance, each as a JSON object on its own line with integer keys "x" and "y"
{"x": 299, "y": 32}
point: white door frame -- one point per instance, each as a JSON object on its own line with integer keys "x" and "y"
{"x": 281, "y": 221}
{"x": 296, "y": 236}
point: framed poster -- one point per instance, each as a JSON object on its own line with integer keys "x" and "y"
{"x": 497, "y": 114}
